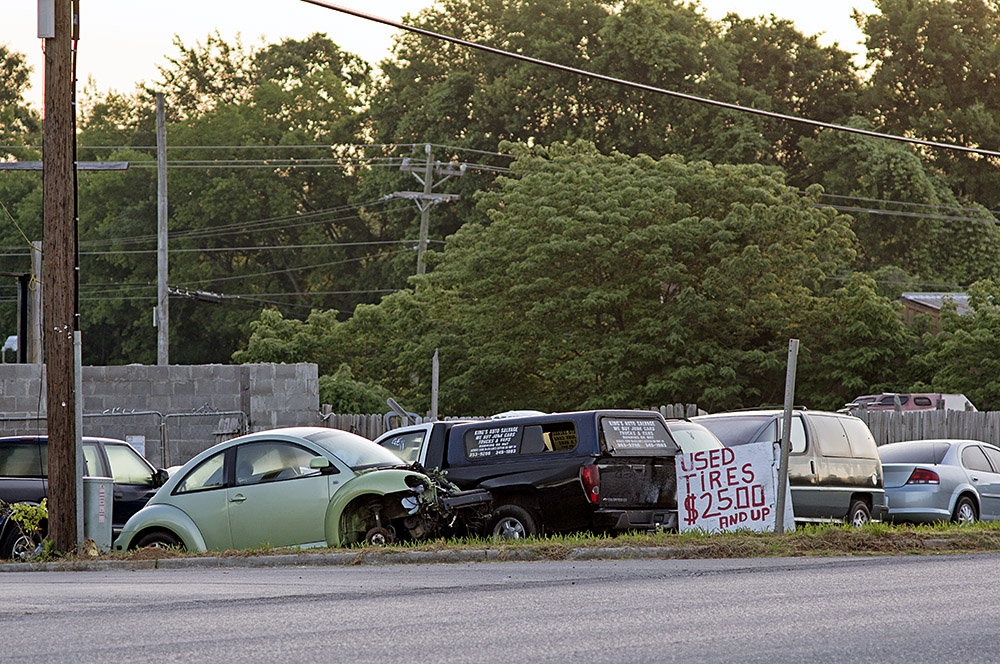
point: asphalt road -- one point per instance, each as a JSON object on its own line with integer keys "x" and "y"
{"x": 906, "y": 609}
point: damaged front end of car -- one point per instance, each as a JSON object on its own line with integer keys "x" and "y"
{"x": 393, "y": 505}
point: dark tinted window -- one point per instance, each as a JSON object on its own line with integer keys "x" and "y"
{"x": 891, "y": 399}
{"x": 501, "y": 441}
{"x": 973, "y": 458}
{"x": 735, "y": 430}
{"x": 919, "y": 452}
{"x": 637, "y": 435}
{"x": 921, "y": 401}
{"x": 831, "y": 439}
{"x": 22, "y": 460}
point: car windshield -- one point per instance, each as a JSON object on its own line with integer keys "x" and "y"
{"x": 734, "y": 429}
{"x": 693, "y": 438}
{"x": 919, "y": 452}
{"x": 356, "y": 452}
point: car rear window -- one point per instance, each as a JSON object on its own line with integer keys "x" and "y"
{"x": 919, "y": 452}
{"x": 890, "y": 399}
{"x": 921, "y": 401}
{"x": 734, "y": 430}
{"x": 637, "y": 435}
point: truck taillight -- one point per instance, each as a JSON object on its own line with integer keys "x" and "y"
{"x": 590, "y": 477}
{"x": 923, "y": 476}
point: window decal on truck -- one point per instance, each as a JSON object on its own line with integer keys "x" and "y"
{"x": 636, "y": 434}
{"x": 507, "y": 441}
{"x": 492, "y": 442}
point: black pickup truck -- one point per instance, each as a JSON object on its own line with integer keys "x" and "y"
{"x": 598, "y": 469}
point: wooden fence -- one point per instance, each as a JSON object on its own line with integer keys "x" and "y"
{"x": 372, "y": 426}
{"x": 889, "y": 426}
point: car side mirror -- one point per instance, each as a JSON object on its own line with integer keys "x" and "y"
{"x": 160, "y": 477}
{"x": 323, "y": 465}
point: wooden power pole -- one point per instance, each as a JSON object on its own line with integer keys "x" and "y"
{"x": 58, "y": 218}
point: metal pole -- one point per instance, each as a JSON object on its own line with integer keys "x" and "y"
{"x": 162, "y": 298}
{"x": 81, "y": 466}
{"x": 786, "y": 435}
{"x": 435, "y": 375}
{"x": 425, "y": 210}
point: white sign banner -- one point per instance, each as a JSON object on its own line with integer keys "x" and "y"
{"x": 138, "y": 443}
{"x": 730, "y": 489}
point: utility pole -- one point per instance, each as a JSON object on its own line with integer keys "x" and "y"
{"x": 59, "y": 236}
{"x": 426, "y": 199}
{"x": 162, "y": 319}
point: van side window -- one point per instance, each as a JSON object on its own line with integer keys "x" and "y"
{"x": 772, "y": 434}
{"x": 831, "y": 439}
{"x": 921, "y": 401}
{"x": 974, "y": 458}
{"x": 860, "y": 437}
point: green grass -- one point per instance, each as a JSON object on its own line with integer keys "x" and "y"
{"x": 808, "y": 540}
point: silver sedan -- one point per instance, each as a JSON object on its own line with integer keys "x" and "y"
{"x": 938, "y": 480}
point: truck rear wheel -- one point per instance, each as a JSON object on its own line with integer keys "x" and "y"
{"x": 511, "y": 522}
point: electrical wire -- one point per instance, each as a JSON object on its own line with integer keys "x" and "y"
{"x": 647, "y": 88}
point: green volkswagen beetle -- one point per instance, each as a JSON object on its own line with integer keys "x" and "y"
{"x": 294, "y": 487}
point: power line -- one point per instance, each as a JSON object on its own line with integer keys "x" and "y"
{"x": 648, "y": 88}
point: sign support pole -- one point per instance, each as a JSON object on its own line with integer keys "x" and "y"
{"x": 786, "y": 434}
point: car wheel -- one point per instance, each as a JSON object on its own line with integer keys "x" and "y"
{"x": 965, "y": 511}
{"x": 159, "y": 539}
{"x": 511, "y": 522}
{"x": 859, "y": 514}
{"x": 379, "y": 536}
{"x": 17, "y": 547}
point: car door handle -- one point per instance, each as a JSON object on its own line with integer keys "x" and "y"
{"x": 812, "y": 466}
{"x": 119, "y": 495}
{"x": 238, "y": 498}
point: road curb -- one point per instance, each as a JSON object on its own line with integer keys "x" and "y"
{"x": 349, "y": 559}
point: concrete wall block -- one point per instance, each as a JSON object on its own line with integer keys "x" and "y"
{"x": 94, "y": 373}
{"x": 285, "y": 370}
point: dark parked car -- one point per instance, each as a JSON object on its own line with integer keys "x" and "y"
{"x": 24, "y": 477}
{"x": 833, "y": 469}
{"x": 601, "y": 469}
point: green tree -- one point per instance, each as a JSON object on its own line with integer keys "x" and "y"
{"x": 239, "y": 226}
{"x": 922, "y": 227}
{"x": 962, "y": 358}
{"x": 608, "y": 280}
{"x": 852, "y": 342}
{"x": 933, "y": 75}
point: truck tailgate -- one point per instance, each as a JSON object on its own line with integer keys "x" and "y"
{"x": 638, "y": 482}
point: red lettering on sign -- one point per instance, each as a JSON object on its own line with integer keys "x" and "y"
{"x": 748, "y": 473}
{"x": 725, "y": 502}
{"x": 715, "y": 479}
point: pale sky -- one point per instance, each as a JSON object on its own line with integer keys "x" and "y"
{"x": 123, "y": 41}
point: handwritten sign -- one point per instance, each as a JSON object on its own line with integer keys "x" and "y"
{"x": 730, "y": 489}
{"x": 491, "y": 442}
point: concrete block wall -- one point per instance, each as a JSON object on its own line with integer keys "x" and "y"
{"x": 192, "y": 407}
